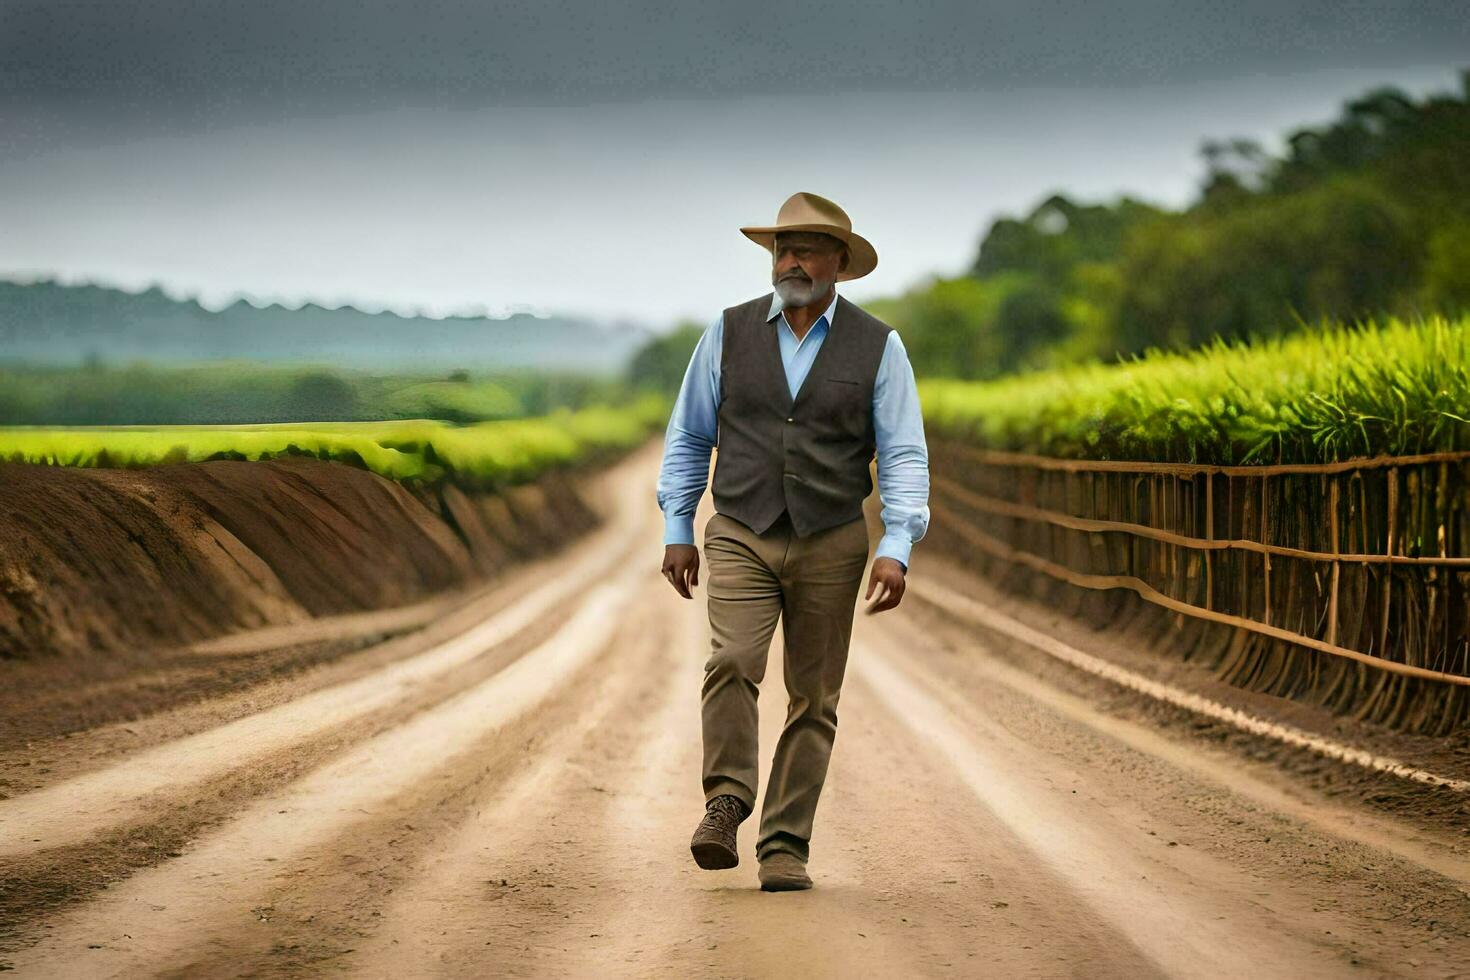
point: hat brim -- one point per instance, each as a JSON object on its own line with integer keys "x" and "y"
{"x": 862, "y": 257}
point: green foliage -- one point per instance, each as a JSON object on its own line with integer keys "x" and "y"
{"x": 1447, "y": 268}
{"x": 660, "y": 364}
{"x": 245, "y": 392}
{"x": 1365, "y": 216}
{"x": 1328, "y": 393}
{"x": 454, "y": 400}
{"x": 950, "y": 327}
{"x": 321, "y": 395}
{"x": 1057, "y": 235}
{"x": 493, "y": 453}
{"x": 484, "y": 455}
{"x": 1343, "y": 249}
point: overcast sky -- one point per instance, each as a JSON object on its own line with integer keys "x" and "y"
{"x": 598, "y": 158}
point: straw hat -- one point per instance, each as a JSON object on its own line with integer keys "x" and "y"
{"x": 808, "y": 212}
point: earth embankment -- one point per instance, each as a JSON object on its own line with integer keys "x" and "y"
{"x": 97, "y": 561}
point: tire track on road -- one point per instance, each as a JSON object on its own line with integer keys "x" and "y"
{"x": 86, "y": 805}
{"x": 1195, "y": 910}
{"x": 1172, "y": 916}
{"x": 341, "y": 898}
{"x": 237, "y": 860}
{"x": 961, "y": 605}
{"x": 539, "y": 880}
{"x": 1255, "y": 786}
{"x": 71, "y": 840}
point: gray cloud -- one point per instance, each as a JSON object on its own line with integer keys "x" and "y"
{"x": 189, "y": 59}
{"x": 377, "y": 152}
{"x": 628, "y": 210}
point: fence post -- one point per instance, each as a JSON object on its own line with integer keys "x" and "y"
{"x": 1444, "y": 578}
{"x": 1175, "y": 525}
{"x": 1265, "y": 539}
{"x": 1209, "y": 536}
{"x": 1387, "y": 591}
{"x": 1336, "y": 566}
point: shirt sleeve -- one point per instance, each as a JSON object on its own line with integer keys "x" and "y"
{"x": 903, "y": 454}
{"x": 690, "y": 438}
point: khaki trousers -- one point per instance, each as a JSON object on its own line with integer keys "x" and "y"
{"x": 812, "y": 585}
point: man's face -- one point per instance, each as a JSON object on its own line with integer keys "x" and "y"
{"x": 805, "y": 265}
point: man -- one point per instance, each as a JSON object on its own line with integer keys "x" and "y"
{"x": 796, "y": 390}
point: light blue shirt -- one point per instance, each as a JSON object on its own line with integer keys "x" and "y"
{"x": 898, "y": 428}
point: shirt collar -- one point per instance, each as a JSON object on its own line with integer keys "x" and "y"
{"x": 777, "y": 306}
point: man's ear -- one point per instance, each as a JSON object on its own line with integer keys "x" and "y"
{"x": 846, "y": 258}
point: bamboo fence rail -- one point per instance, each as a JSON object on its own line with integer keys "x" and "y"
{"x": 1347, "y": 583}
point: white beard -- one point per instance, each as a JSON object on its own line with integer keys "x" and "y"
{"x": 795, "y": 293}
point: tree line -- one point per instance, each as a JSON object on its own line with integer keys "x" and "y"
{"x": 1367, "y": 216}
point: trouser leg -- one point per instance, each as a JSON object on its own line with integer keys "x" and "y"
{"x": 820, "y": 580}
{"x": 744, "y": 604}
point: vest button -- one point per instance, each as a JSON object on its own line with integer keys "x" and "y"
{"x": 791, "y": 420}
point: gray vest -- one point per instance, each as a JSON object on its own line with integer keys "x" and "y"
{"x": 809, "y": 455}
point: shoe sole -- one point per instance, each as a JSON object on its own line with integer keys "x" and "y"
{"x": 713, "y": 856}
{"x": 786, "y": 885}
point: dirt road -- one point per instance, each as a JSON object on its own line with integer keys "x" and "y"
{"x": 510, "y": 792}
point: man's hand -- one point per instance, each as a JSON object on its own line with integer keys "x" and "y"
{"x": 888, "y": 572}
{"x": 681, "y": 567}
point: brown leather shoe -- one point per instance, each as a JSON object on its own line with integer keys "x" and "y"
{"x": 713, "y": 845}
{"x": 782, "y": 871}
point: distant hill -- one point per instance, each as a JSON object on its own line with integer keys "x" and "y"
{"x": 51, "y": 323}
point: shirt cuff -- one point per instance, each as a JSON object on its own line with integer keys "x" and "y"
{"x": 679, "y": 529}
{"x": 896, "y": 547}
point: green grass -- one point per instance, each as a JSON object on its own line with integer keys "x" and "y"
{"x": 1333, "y": 393}
{"x": 485, "y": 454}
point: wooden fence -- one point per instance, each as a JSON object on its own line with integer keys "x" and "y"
{"x": 1345, "y": 583}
